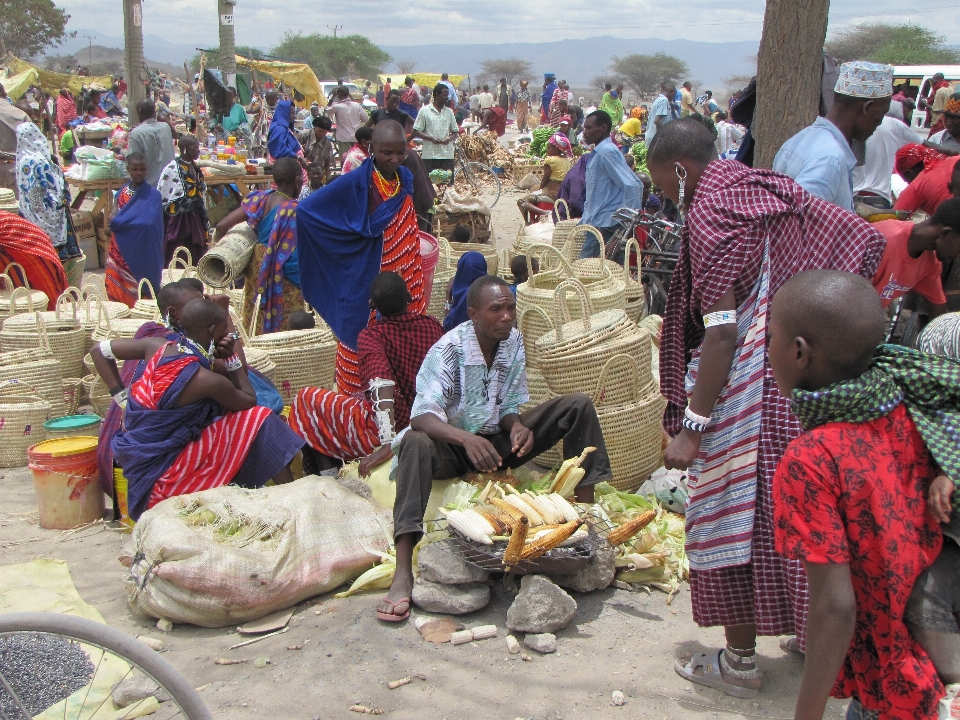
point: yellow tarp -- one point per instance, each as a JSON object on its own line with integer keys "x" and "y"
{"x": 299, "y": 76}
{"x": 428, "y": 79}
{"x": 52, "y": 81}
{"x": 18, "y": 84}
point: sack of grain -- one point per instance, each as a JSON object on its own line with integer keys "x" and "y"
{"x": 231, "y": 555}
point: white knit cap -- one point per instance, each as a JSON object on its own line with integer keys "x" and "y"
{"x": 862, "y": 79}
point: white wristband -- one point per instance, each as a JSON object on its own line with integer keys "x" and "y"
{"x": 723, "y": 317}
{"x": 106, "y": 349}
{"x": 121, "y": 398}
{"x": 693, "y": 417}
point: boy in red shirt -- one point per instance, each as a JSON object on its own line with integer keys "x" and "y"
{"x": 911, "y": 260}
{"x": 850, "y": 494}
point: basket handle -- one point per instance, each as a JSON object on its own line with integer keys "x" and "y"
{"x": 42, "y": 333}
{"x": 566, "y": 209}
{"x": 560, "y": 309}
{"x": 445, "y": 249}
{"x": 607, "y": 367}
{"x": 74, "y": 292}
{"x": 14, "y": 382}
{"x": 632, "y": 242}
{"x": 63, "y": 300}
{"x": 23, "y": 274}
{"x": 570, "y": 246}
{"x": 153, "y": 293}
{"x": 17, "y": 292}
{"x": 95, "y": 302}
{"x": 177, "y": 262}
{"x": 238, "y": 324}
{"x": 522, "y": 324}
{"x": 103, "y": 315}
{"x": 545, "y": 250}
{"x": 92, "y": 290}
{"x": 252, "y": 331}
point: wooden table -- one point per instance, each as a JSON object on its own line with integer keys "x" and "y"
{"x": 219, "y": 190}
{"x": 95, "y": 138}
{"x": 82, "y": 187}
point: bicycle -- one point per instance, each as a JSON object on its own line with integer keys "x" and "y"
{"x": 471, "y": 176}
{"x": 100, "y": 657}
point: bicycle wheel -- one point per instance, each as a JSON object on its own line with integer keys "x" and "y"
{"x": 49, "y": 660}
{"x": 479, "y": 178}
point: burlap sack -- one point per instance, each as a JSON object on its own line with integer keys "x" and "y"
{"x": 230, "y": 555}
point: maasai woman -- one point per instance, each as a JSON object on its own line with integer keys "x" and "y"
{"x": 410, "y": 101}
{"x": 273, "y": 273}
{"x": 136, "y": 245}
{"x": 523, "y": 106}
{"x": 350, "y": 231}
{"x": 24, "y": 243}
{"x": 66, "y": 110}
{"x": 182, "y": 188}
{"x": 282, "y": 142}
{"x": 470, "y": 266}
{"x": 731, "y": 424}
{"x": 44, "y": 197}
{"x": 556, "y": 165}
{"x": 186, "y": 428}
{"x": 557, "y": 109}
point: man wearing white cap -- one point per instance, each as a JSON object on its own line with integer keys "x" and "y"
{"x": 819, "y": 157}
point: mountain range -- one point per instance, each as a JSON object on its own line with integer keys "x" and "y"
{"x": 577, "y": 61}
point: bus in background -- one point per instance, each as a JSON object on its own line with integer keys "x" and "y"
{"x": 917, "y": 78}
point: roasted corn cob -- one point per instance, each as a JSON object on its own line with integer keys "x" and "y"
{"x": 507, "y": 508}
{"x": 622, "y": 533}
{"x": 470, "y": 524}
{"x": 517, "y": 538}
{"x": 548, "y": 542}
{"x": 499, "y": 527}
{"x": 521, "y": 504}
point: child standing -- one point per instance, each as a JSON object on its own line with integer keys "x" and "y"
{"x": 850, "y": 493}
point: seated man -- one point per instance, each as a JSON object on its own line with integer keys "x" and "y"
{"x": 912, "y": 255}
{"x": 391, "y": 351}
{"x": 187, "y": 428}
{"x": 466, "y": 419}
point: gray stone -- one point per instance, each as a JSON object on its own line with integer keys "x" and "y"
{"x": 542, "y": 642}
{"x": 540, "y": 607}
{"x": 439, "y": 563}
{"x": 450, "y": 599}
{"x": 597, "y": 575}
{"x": 133, "y": 690}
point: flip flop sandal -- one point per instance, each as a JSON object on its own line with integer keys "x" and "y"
{"x": 711, "y": 675}
{"x": 393, "y": 617}
{"x": 791, "y": 645}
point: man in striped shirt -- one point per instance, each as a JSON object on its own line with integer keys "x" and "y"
{"x": 466, "y": 418}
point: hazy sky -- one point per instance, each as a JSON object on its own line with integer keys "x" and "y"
{"x": 261, "y": 23}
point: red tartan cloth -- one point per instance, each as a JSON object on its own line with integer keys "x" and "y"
{"x": 855, "y": 493}
{"x": 23, "y": 242}
{"x": 735, "y": 212}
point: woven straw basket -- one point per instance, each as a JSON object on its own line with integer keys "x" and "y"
{"x": 108, "y": 329}
{"x": 224, "y": 263}
{"x": 562, "y": 228}
{"x": 260, "y": 361}
{"x": 446, "y": 269}
{"x": 72, "y": 393}
{"x": 181, "y": 265}
{"x": 59, "y": 330}
{"x": 533, "y": 323}
{"x": 23, "y": 413}
{"x": 571, "y": 355}
{"x": 303, "y": 358}
{"x": 145, "y": 308}
{"x": 17, "y": 297}
{"x": 94, "y": 296}
{"x": 635, "y": 301}
{"x": 37, "y": 369}
{"x": 631, "y": 422}
{"x": 573, "y": 243}
{"x": 489, "y": 252}
{"x": 97, "y": 393}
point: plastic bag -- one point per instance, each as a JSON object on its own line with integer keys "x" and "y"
{"x": 669, "y": 487}
{"x": 231, "y": 555}
{"x": 97, "y": 164}
{"x": 454, "y": 202}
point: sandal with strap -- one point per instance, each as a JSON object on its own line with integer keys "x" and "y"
{"x": 711, "y": 675}
{"x": 392, "y": 616}
{"x": 791, "y": 645}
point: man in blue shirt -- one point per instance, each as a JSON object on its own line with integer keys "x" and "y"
{"x": 611, "y": 184}
{"x": 820, "y": 157}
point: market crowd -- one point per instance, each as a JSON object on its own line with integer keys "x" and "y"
{"x": 822, "y": 461}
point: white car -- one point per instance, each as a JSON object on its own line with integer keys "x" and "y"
{"x": 329, "y": 86}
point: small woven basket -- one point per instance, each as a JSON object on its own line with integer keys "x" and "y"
{"x": 38, "y": 370}
{"x": 97, "y": 393}
{"x": 181, "y": 266}
{"x": 24, "y": 412}
{"x": 573, "y": 243}
{"x": 61, "y": 332}
{"x": 16, "y": 296}
{"x": 563, "y": 228}
{"x": 72, "y": 394}
{"x": 145, "y": 308}
{"x": 303, "y": 358}
{"x": 489, "y": 252}
{"x": 632, "y": 422}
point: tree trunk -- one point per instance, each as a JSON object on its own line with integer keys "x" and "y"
{"x": 228, "y": 52}
{"x": 788, "y": 73}
{"x": 133, "y": 63}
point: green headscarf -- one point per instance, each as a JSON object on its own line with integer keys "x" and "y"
{"x": 929, "y": 385}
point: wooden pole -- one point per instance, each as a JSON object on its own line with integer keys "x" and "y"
{"x": 788, "y": 73}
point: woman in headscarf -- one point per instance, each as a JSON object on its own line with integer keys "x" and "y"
{"x": 523, "y": 106}
{"x": 556, "y": 165}
{"x": 44, "y": 197}
{"x": 182, "y": 188}
{"x": 282, "y": 142}
{"x": 928, "y": 173}
{"x": 470, "y": 266}
{"x": 66, "y": 110}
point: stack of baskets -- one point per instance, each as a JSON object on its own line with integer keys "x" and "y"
{"x": 634, "y": 298}
{"x": 38, "y": 369}
{"x": 24, "y": 411}
{"x": 15, "y": 300}
{"x": 489, "y": 251}
{"x": 181, "y": 265}
{"x": 533, "y": 324}
{"x": 303, "y": 358}
{"x": 59, "y": 330}
{"x": 562, "y": 228}
{"x": 146, "y": 307}
{"x": 575, "y": 353}
{"x": 446, "y": 269}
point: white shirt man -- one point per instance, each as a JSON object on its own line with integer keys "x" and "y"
{"x": 873, "y": 177}
{"x": 486, "y": 100}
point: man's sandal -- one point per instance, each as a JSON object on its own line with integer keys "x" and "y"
{"x": 711, "y": 674}
{"x": 391, "y": 616}
{"x": 791, "y": 645}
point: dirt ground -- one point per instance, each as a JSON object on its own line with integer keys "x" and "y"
{"x": 619, "y": 640}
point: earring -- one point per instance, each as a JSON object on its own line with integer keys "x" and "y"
{"x": 682, "y": 177}
{"x": 212, "y": 348}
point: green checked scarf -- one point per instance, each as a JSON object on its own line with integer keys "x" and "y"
{"x": 929, "y": 385}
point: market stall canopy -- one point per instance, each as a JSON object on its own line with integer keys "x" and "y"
{"x": 299, "y": 76}
{"x": 421, "y": 79}
{"x": 17, "y": 85}
{"x": 51, "y": 82}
